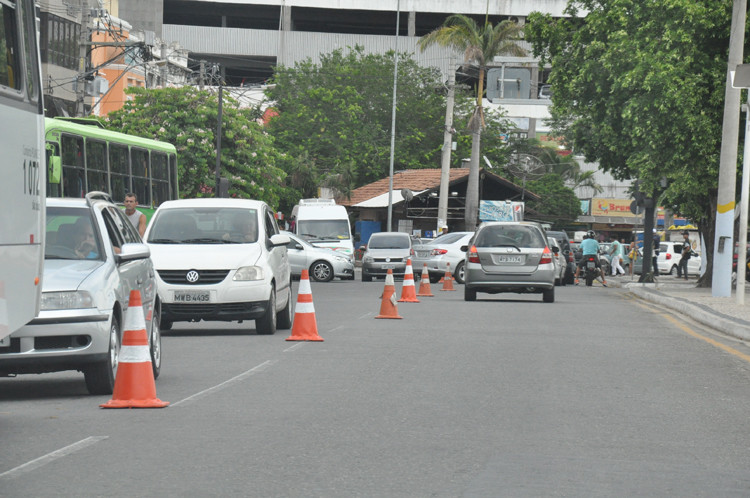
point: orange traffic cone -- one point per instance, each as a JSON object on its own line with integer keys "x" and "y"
{"x": 448, "y": 280}
{"x": 134, "y": 382}
{"x": 408, "y": 291}
{"x": 305, "y": 327}
{"x": 424, "y": 284}
{"x": 388, "y": 307}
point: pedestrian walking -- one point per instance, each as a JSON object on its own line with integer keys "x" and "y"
{"x": 633, "y": 256}
{"x": 615, "y": 252}
{"x": 655, "y": 254}
{"x": 685, "y": 253}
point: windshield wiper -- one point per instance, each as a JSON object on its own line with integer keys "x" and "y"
{"x": 205, "y": 240}
{"x": 508, "y": 245}
{"x": 164, "y": 241}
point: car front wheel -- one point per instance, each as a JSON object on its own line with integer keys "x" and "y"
{"x": 155, "y": 348}
{"x": 284, "y": 317}
{"x": 100, "y": 377}
{"x": 321, "y": 271}
{"x": 459, "y": 275}
{"x": 266, "y": 325}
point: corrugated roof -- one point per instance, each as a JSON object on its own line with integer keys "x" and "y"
{"x": 416, "y": 180}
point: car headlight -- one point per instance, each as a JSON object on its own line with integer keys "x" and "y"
{"x": 67, "y": 300}
{"x": 341, "y": 258}
{"x": 249, "y": 273}
{"x": 367, "y": 259}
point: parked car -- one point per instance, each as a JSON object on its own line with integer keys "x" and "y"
{"x": 567, "y": 251}
{"x": 221, "y": 260}
{"x": 669, "y": 257}
{"x": 441, "y": 251}
{"x": 323, "y": 264}
{"x": 559, "y": 260}
{"x": 93, "y": 259}
{"x": 386, "y": 251}
{"x": 509, "y": 257}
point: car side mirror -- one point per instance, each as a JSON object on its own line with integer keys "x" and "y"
{"x": 132, "y": 251}
{"x": 556, "y": 250}
{"x": 279, "y": 240}
{"x": 464, "y": 248}
{"x": 298, "y": 247}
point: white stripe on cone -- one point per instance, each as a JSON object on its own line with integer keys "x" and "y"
{"x": 304, "y": 308}
{"x": 134, "y": 319}
{"x": 134, "y": 354}
{"x": 304, "y": 286}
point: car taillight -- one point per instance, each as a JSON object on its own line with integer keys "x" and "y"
{"x": 411, "y": 251}
{"x": 438, "y": 252}
{"x": 571, "y": 258}
{"x": 473, "y": 256}
{"x": 669, "y": 256}
{"x": 546, "y": 256}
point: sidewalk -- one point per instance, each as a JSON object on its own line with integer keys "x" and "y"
{"x": 719, "y": 313}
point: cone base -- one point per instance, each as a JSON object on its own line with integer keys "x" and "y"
{"x": 447, "y": 289}
{"x": 394, "y": 317}
{"x": 293, "y": 338}
{"x": 135, "y": 403}
{"x": 425, "y": 295}
{"x": 408, "y": 300}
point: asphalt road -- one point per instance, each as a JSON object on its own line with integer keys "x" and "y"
{"x": 597, "y": 394}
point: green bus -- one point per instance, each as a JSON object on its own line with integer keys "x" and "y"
{"x": 83, "y": 156}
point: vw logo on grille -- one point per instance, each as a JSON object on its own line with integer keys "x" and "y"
{"x": 192, "y": 276}
{"x": 387, "y": 260}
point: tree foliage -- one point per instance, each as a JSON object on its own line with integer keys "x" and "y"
{"x": 335, "y": 117}
{"x": 480, "y": 45}
{"x": 558, "y": 205}
{"x": 639, "y": 87}
{"x": 187, "y": 118}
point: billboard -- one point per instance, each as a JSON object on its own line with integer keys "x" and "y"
{"x": 501, "y": 211}
{"x": 611, "y": 207}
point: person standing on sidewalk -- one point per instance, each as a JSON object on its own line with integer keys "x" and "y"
{"x": 615, "y": 252}
{"x": 655, "y": 254}
{"x": 685, "y": 253}
{"x": 633, "y": 255}
{"x": 137, "y": 218}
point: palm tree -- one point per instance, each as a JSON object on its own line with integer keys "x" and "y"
{"x": 479, "y": 44}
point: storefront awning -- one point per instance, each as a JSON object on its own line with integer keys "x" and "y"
{"x": 612, "y": 220}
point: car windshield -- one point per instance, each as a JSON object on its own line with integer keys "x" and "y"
{"x": 510, "y": 236}
{"x": 446, "y": 238}
{"x": 204, "y": 226}
{"x": 323, "y": 229}
{"x": 388, "y": 242}
{"x": 71, "y": 234}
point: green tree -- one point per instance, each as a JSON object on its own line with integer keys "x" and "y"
{"x": 187, "y": 118}
{"x": 558, "y": 204}
{"x": 639, "y": 87}
{"x": 335, "y": 116}
{"x": 480, "y": 45}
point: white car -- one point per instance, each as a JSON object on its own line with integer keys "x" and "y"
{"x": 93, "y": 259}
{"x": 670, "y": 255}
{"x": 221, "y": 260}
{"x": 439, "y": 252}
{"x": 323, "y": 264}
{"x": 559, "y": 260}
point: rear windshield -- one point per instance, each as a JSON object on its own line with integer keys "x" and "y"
{"x": 447, "y": 238}
{"x": 510, "y": 235}
{"x": 204, "y": 226}
{"x": 388, "y": 242}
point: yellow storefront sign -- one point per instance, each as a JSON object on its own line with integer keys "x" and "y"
{"x": 611, "y": 207}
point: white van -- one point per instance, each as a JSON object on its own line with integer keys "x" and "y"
{"x": 323, "y": 223}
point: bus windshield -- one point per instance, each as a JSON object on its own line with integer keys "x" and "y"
{"x": 313, "y": 230}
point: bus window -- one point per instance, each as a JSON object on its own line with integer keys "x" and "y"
{"x": 9, "y": 61}
{"x": 173, "y": 193}
{"x": 96, "y": 166}
{"x": 118, "y": 162}
{"x": 54, "y": 170}
{"x": 139, "y": 165}
{"x": 32, "y": 85}
{"x": 74, "y": 182}
{"x": 159, "y": 178}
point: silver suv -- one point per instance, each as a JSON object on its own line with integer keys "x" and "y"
{"x": 509, "y": 257}
{"x": 386, "y": 251}
{"x": 93, "y": 259}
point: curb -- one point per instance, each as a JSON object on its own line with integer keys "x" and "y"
{"x": 734, "y": 327}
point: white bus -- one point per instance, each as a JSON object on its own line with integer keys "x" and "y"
{"x": 323, "y": 223}
{"x": 22, "y": 175}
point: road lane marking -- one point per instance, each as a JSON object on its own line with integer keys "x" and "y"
{"x": 296, "y": 346}
{"x": 49, "y": 457}
{"x": 366, "y": 315}
{"x": 713, "y": 342}
{"x": 263, "y": 366}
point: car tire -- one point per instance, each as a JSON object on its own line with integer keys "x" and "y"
{"x": 321, "y": 271}
{"x": 548, "y": 295}
{"x": 469, "y": 294}
{"x": 366, "y": 278}
{"x": 165, "y": 325}
{"x": 459, "y": 275}
{"x": 673, "y": 270}
{"x": 100, "y": 377}
{"x": 266, "y": 325}
{"x": 435, "y": 278}
{"x": 155, "y": 345}
{"x": 558, "y": 282}
{"x": 284, "y": 317}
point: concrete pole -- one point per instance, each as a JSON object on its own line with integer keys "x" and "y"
{"x": 724, "y": 237}
{"x": 82, "y": 51}
{"x": 447, "y": 146}
{"x": 741, "y": 249}
{"x": 393, "y": 124}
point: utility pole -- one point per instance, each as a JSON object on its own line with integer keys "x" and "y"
{"x": 218, "y": 138}
{"x": 721, "y": 285}
{"x": 83, "y": 46}
{"x": 447, "y": 146}
{"x": 202, "y": 75}
{"x": 393, "y": 123}
{"x": 164, "y": 68}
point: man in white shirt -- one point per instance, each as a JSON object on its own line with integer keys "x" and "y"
{"x": 137, "y": 218}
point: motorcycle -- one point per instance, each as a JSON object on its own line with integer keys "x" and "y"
{"x": 591, "y": 269}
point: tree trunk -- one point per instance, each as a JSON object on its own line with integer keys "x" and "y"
{"x": 707, "y": 230}
{"x": 472, "y": 185}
